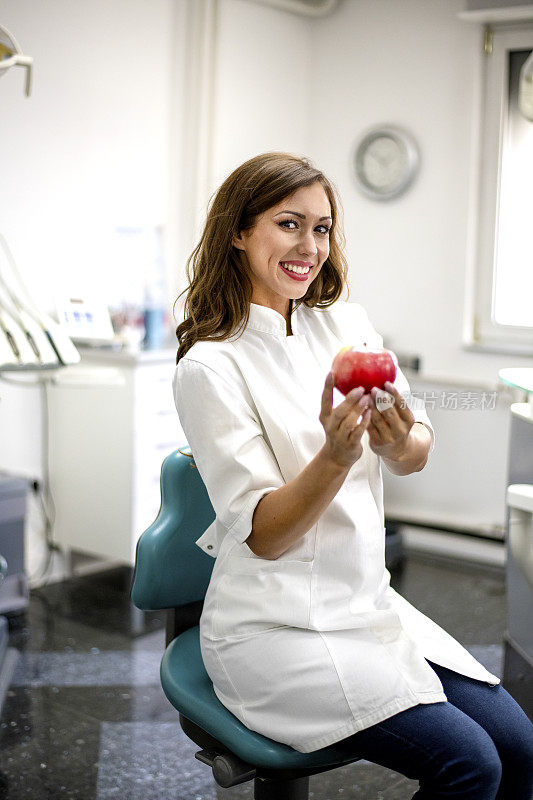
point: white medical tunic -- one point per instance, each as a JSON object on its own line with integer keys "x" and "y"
{"x": 315, "y": 645}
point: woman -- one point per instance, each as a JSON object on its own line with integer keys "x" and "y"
{"x": 301, "y": 633}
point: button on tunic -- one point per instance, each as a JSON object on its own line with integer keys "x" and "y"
{"x": 315, "y": 645}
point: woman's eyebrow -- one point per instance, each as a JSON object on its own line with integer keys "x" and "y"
{"x": 297, "y": 214}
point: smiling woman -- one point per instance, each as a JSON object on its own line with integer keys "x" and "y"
{"x": 272, "y": 237}
{"x": 301, "y": 633}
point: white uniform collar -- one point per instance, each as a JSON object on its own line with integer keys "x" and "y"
{"x": 267, "y": 320}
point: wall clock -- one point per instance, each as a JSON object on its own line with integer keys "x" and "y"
{"x": 386, "y": 162}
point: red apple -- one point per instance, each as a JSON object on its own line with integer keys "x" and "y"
{"x": 353, "y": 366}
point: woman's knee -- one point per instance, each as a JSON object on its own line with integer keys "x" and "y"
{"x": 475, "y": 770}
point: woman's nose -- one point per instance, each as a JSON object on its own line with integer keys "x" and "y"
{"x": 307, "y": 244}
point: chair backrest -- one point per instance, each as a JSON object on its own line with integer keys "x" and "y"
{"x": 170, "y": 569}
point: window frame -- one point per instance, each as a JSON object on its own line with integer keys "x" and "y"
{"x": 480, "y": 331}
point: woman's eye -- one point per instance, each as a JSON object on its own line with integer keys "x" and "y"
{"x": 324, "y": 230}
{"x": 287, "y": 222}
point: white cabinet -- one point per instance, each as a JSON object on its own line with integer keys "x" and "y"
{"x": 112, "y": 422}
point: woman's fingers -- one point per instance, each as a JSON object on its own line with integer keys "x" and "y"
{"x": 400, "y": 404}
{"x": 366, "y": 419}
{"x": 327, "y": 396}
{"x": 380, "y": 422}
{"x": 351, "y": 400}
{"x": 386, "y": 415}
{"x": 390, "y": 408}
{"x": 358, "y": 407}
{"x": 360, "y": 422}
{"x": 344, "y": 425}
{"x": 340, "y": 412}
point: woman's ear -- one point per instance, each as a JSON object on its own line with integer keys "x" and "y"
{"x": 238, "y": 241}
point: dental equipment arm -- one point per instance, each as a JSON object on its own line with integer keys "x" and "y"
{"x": 39, "y": 340}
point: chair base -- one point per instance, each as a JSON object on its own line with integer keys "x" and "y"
{"x": 229, "y": 770}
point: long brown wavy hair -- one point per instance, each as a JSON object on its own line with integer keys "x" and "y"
{"x": 220, "y": 290}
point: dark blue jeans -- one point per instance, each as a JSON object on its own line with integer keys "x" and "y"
{"x": 477, "y": 746}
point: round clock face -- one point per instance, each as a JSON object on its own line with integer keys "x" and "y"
{"x": 386, "y": 162}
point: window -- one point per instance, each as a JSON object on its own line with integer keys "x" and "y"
{"x": 501, "y": 309}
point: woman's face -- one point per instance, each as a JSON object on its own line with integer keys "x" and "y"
{"x": 294, "y": 233}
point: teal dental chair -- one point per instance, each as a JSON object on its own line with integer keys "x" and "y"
{"x": 172, "y": 572}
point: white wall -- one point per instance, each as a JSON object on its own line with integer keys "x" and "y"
{"x": 89, "y": 149}
{"x": 263, "y": 84}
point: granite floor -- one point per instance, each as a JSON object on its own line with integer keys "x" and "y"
{"x": 85, "y": 716}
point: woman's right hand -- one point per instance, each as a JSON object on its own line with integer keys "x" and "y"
{"x": 343, "y": 432}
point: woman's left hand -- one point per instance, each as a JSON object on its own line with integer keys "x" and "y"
{"x": 389, "y": 429}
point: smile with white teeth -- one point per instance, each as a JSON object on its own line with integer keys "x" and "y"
{"x": 293, "y": 268}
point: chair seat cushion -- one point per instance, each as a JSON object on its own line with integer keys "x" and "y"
{"x": 188, "y": 687}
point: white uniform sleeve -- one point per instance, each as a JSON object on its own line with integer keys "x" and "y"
{"x": 353, "y": 320}
{"x": 226, "y": 439}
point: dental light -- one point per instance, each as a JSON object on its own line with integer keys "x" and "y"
{"x": 11, "y": 55}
